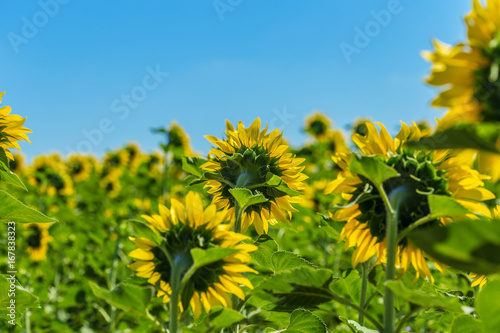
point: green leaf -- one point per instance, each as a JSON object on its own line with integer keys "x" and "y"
{"x": 441, "y": 205}
{"x": 23, "y": 300}
{"x": 220, "y": 318}
{"x": 11, "y": 178}
{"x": 192, "y": 165}
{"x": 143, "y": 230}
{"x": 469, "y": 245}
{"x": 301, "y": 287}
{"x": 303, "y": 321}
{"x": 372, "y": 168}
{"x": 285, "y": 260}
{"x": 128, "y": 297}
{"x": 262, "y": 256}
{"x": 280, "y": 185}
{"x": 355, "y": 326}
{"x": 481, "y": 136}
{"x": 327, "y": 228}
{"x": 423, "y": 298}
{"x": 466, "y": 324}
{"x": 204, "y": 257}
{"x": 488, "y": 306}
{"x": 246, "y": 198}
{"x": 13, "y": 210}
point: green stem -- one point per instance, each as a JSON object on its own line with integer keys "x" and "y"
{"x": 344, "y": 301}
{"x": 364, "y": 287}
{"x": 174, "y": 299}
{"x": 405, "y": 319}
{"x": 413, "y": 226}
{"x": 112, "y": 283}
{"x": 396, "y": 198}
{"x": 27, "y": 321}
{"x": 238, "y": 212}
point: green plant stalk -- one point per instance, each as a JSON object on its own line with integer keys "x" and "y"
{"x": 394, "y": 201}
{"x": 174, "y": 299}
{"x": 112, "y": 284}
{"x": 364, "y": 288}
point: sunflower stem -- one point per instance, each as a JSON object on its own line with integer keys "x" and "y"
{"x": 174, "y": 299}
{"x": 413, "y": 226}
{"x": 364, "y": 288}
{"x": 392, "y": 207}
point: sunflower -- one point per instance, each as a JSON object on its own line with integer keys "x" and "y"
{"x": 79, "y": 167}
{"x": 185, "y": 227}
{"x": 178, "y": 140}
{"x": 17, "y": 164}
{"x": 111, "y": 183}
{"x": 489, "y": 163}
{"x": 359, "y": 126}
{"x": 134, "y": 154}
{"x": 470, "y": 70}
{"x": 48, "y": 174}
{"x": 252, "y": 158}
{"x": 317, "y": 125}
{"x": 11, "y": 129}
{"x": 423, "y": 172}
{"x": 38, "y": 240}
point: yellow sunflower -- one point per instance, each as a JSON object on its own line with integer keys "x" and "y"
{"x": 116, "y": 159}
{"x": 317, "y": 125}
{"x": 423, "y": 172}
{"x": 79, "y": 167}
{"x": 11, "y": 129}
{"x": 252, "y": 158}
{"x": 178, "y": 139}
{"x": 185, "y": 227}
{"x": 48, "y": 174}
{"x": 134, "y": 154}
{"x": 359, "y": 126}
{"x": 38, "y": 240}
{"x": 111, "y": 183}
{"x": 17, "y": 164}
{"x": 470, "y": 70}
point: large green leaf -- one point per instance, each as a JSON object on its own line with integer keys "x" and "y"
{"x": 11, "y": 178}
{"x": 142, "y": 230}
{"x": 480, "y": 136}
{"x": 205, "y": 257}
{"x": 372, "y": 168}
{"x": 246, "y": 198}
{"x": 423, "y": 298}
{"x": 488, "y": 305}
{"x": 219, "y": 318}
{"x": 262, "y": 256}
{"x": 285, "y": 260}
{"x": 466, "y": 324}
{"x": 303, "y": 321}
{"x": 23, "y": 300}
{"x": 13, "y": 210}
{"x": 301, "y": 287}
{"x": 441, "y": 205}
{"x": 355, "y": 326}
{"x": 125, "y": 296}
{"x": 470, "y": 245}
{"x": 192, "y": 165}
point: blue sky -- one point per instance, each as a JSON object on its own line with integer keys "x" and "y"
{"x": 91, "y": 76}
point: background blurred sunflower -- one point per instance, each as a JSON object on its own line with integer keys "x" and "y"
{"x": 317, "y": 125}
{"x": 423, "y": 173}
{"x": 79, "y": 167}
{"x": 37, "y": 240}
{"x": 249, "y": 158}
{"x": 185, "y": 227}
{"x": 470, "y": 70}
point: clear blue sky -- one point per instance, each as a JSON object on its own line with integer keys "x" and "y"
{"x": 70, "y": 68}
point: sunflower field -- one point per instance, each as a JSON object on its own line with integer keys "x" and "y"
{"x": 358, "y": 232}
